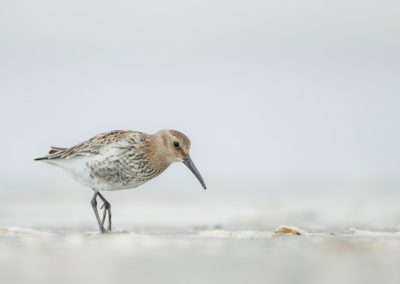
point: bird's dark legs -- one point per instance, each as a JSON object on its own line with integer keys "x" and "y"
{"x": 107, "y": 209}
{"x": 94, "y": 206}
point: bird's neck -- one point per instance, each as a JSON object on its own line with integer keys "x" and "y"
{"x": 155, "y": 152}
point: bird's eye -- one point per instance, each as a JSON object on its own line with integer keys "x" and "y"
{"x": 176, "y": 144}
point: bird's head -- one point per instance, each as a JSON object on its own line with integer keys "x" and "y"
{"x": 174, "y": 146}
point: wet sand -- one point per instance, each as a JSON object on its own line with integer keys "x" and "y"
{"x": 50, "y": 237}
{"x": 198, "y": 255}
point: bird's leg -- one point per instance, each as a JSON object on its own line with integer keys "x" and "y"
{"x": 104, "y": 214}
{"x": 107, "y": 209}
{"x": 94, "y": 206}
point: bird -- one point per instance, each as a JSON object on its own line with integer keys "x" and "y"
{"x": 121, "y": 159}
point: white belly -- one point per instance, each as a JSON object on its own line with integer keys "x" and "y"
{"x": 78, "y": 168}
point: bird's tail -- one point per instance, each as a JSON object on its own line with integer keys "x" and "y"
{"x": 54, "y": 153}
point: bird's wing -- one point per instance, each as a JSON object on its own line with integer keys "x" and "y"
{"x": 54, "y": 150}
{"x": 118, "y": 140}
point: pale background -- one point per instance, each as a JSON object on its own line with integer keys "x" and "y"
{"x": 292, "y": 108}
{"x": 302, "y": 95}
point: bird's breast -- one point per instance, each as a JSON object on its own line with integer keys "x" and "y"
{"x": 127, "y": 170}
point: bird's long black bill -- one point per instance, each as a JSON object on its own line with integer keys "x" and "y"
{"x": 189, "y": 163}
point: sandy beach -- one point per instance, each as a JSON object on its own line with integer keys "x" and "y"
{"x": 198, "y": 256}
{"x": 161, "y": 240}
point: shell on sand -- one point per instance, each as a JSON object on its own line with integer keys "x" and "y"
{"x": 289, "y": 230}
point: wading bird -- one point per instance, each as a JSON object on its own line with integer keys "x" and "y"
{"x": 121, "y": 160}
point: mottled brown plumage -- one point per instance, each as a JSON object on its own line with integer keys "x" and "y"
{"x": 122, "y": 159}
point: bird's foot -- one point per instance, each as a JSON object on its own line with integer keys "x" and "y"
{"x": 103, "y": 230}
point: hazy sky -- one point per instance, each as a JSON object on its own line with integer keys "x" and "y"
{"x": 264, "y": 89}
